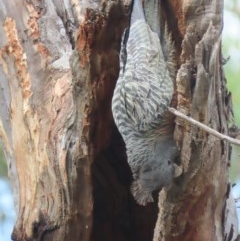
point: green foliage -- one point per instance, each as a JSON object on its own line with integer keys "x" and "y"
{"x": 231, "y": 49}
{"x": 233, "y": 85}
{"x": 235, "y": 165}
{"x": 234, "y": 88}
{"x": 3, "y": 164}
{"x": 232, "y": 72}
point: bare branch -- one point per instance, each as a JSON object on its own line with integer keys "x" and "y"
{"x": 204, "y": 127}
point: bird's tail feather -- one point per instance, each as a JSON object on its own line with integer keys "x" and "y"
{"x": 137, "y": 11}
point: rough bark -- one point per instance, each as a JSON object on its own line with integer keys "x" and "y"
{"x": 58, "y": 68}
{"x": 199, "y": 204}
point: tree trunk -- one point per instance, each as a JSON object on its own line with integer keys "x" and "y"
{"x": 58, "y": 68}
{"x": 199, "y": 205}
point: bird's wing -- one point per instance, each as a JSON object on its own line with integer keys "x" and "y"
{"x": 144, "y": 104}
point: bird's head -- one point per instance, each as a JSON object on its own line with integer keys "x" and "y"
{"x": 156, "y": 171}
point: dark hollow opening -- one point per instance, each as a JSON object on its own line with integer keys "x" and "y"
{"x": 116, "y": 215}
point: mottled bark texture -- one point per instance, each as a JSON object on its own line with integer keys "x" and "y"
{"x": 199, "y": 205}
{"x": 58, "y": 68}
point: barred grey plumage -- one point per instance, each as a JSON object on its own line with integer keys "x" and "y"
{"x": 142, "y": 94}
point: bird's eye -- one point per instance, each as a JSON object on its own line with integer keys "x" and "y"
{"x": 146, "y": 169}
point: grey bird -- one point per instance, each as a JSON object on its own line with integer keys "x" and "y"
{"x": 141, "y": 97}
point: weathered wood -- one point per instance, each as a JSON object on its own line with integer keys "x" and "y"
{"x": 195, "y": 207}
{"x": 59, "y": 64}
{"x": 58, "y": 68}
{"x": 38, "y": 117}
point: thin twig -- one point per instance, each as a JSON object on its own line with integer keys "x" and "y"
{"x": 204, "y": 127}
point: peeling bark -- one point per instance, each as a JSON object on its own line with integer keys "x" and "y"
{"x": 58, "y": 68}
{"x": 194, "y": 208}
